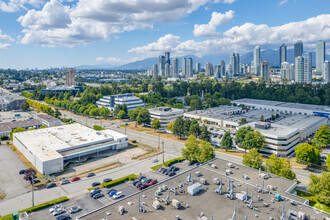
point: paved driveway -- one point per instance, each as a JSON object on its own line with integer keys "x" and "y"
{"x": 11, "y": 182}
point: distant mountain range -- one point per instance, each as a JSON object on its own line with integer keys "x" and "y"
{"x": 272, "y": 56}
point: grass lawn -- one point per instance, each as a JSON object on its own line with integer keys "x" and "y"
{"x": 313, "y": 201}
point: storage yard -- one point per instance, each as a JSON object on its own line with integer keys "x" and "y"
{"x": 267, "y": 197}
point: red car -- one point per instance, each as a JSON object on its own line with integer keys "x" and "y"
{"x": 143, "y": 186}
{"x": 75, "y": 179}
{"x": 153, "y": 182}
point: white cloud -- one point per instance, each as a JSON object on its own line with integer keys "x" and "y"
{"x": 114, "y": 60}
{"x": 86, "y": 21}
{"x": 16, "y": 5}
{"x": 209, "y": 30}
{"x": 283, "y": 2}
{"x": 4, "y": 38}
{"x": 243, "y": 38}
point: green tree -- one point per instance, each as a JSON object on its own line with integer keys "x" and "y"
{"x": 16, "y": 130}
{"x": 143, "y": 116}
{"x": 206, "y": 152}
{"x": 308, "y": 153}
{"x": 191, "y": 151}
{"x": 280, "y": 166}
{"x": 144, "y": 86}
{"x": 320, "y": 186}
{"x": 94, "y": 112}
{"x": 240, "y": 134}
{"x": 104, "y": 112}
{"x": 43, "y": 126}
{"x": 227, "y": 141}
{"x": 170, "y": 126}
{"x": 262, "y": 118}
{"x": 328, "y": 162}
{"x": 121, "y": 114}
{"x": 243, "y": 121}
{"x": 195, "y": 104}
{"x": 57, "y": 113}
{"x": 134, "y": 113}
{"x": 322, "y": 136}
{"x": 178, "y": 129}
{"x": 155, "y": 123}
{"x": 247, "y": 138}
{"x": 25, "y": 106}
{"x": 98, "y": 128}
{"x": 252, "y": 159}
{"x": 187, "y": 124}
{"x": 194, "y": 128}
{"x": 205, "y": 134}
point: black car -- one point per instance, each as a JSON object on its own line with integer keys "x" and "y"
{"x": 165, "y": 170}
{"x": 161, "y": 169}
{"x": 172, "y": 173}
{"x": 63, "y": 217}
{"x": 148, "y": 181}
{"x": 98, "y": 195}
{"x": 21, "y": 172}
{"x": 51, "y": 185}
{"x": 136, "y": 182}
{"x": 139, "y": 185}
{"x": 174, "y": 168}
{"x": 191, "y": 163}
{"x": 36, "y": 180}
{"x": 106, "y": 180}
{"x": 96, "y": 184}
{"x": 90, "y": 174}
{"x": 94, "y": 192}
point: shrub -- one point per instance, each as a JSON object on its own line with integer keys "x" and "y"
{"x": 134, "y": 141}
{"x": 4, "y": 138}
{"x": 168, "y": 163}
{"x": 98, "y": 128}
{"x": 117, "y": 181}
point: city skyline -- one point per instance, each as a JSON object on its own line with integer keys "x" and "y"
{"x": 56, "y": 33}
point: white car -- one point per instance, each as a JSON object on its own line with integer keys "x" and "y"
{"x": 117, "y": 195}
{"x": 58, "y": 211}
{"x": 52, "y": 209}
{"x": 74, "y": 209}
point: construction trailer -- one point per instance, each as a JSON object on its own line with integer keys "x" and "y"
{"x": 194, "y": 189}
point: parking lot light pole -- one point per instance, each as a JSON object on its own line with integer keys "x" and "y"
{"x": 163, "y": 152}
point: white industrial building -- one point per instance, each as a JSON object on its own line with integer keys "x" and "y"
{"x": 49, "y": 149}
{"x": 165, "y": 115}
{"x": 132, "y": 102}
{"x": 285, "y": 107}
{"x": 280, "y": 140}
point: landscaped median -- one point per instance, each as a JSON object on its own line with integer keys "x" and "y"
{"x": 37, "y": 207}
{"x": 117, "y": 181}
{"x": 168, "y": 163}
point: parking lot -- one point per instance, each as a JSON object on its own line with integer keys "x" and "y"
{"x": 216, "y": 136}
{"x": 11, "y": 183}
{"x": 87, "y": 203}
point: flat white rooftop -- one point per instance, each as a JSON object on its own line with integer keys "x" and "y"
{"x": 47, "y": 143}
{"x": 275, "y": 130}
{"x": 165, "y": 110}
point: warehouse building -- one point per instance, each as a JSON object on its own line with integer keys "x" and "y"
{"x": 132, "y": 102}
{"x": 165, "y": 115}
{"x": 285, "y": 107}
{"x": 10, "y": 102}
{"x": 280, "y": 140}
{"x": 50, "y": 148}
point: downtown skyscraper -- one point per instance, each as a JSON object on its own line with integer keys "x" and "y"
{"x": 298, "y": 49}
{"x": 189, "y": 67}
{"x": 167, "y": 58}
{"x": 283, "y": 57}
{"x": 235, "y": 64}
{"x": 320, "y": 56}
{"x": 256, "y": 61}
{"x": 161, "y": 65}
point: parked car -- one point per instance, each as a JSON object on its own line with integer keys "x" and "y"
{"x": 58, "y": 211}
{"x": 191, "y": 163}
{"x": 167, "y": 172}
{"x": 21, "y": 172}
{"x": 52, "y": 209}
{"x": 35, "y": 181}
{"x": 143, "y": 186}
{"x": 75, "y": 179}
{"x": 98, "y": 195}
{"x": 74, "y": 209}
{"x": 96, "y": 184}
{"x": 106, "y": 180}
{"x": 118, "y": 195}
{"x": 96, "y": 188}
{"x": 164, "y": 170}
{"x": 63, "y": 182}
{"x": 174, "y": 168}
{"x": 153, "y": 182}
{"x": 148, "y": 181}
{"x": 161, "y": 169}
{"x": 135, "y": 182}
{"x": 155, "y": 160}
{"x": 90, "y": 174}
{"x": 91, "y": 194}
{"x": 220, "y": 136}
{"x": 51, "y": 185}
{"x": 63, "y": 217}
{"x": 172, "y": 173}
{"x": 142, "y": 177}
{"x": 112, "y": 193}
{"x": 211, "y": 129}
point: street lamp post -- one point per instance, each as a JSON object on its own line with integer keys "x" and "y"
{"x": 163, "y": 152}
{"x": 125, "y": 127}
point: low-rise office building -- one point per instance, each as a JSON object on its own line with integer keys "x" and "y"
{"x": 62, "y": 88}
{"x": 285, "y": 107}
{"x": 48, "y": 120}
{"x": 132, "y": 102}
{"x": 49, "y": 149}
{"x": 280, "y": 140}
{"x": 165, "y": 115}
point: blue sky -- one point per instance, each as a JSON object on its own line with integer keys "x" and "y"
{"x": 56, "y": 33}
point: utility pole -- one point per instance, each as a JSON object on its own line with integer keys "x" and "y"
{"x": 163, "y": 152}
{"x": 125, "y": 127}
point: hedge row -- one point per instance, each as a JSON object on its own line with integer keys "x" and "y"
{"x": 38, "y": 207}
{"x": 168, "y": 163}
{"x": 117, "y": 181}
